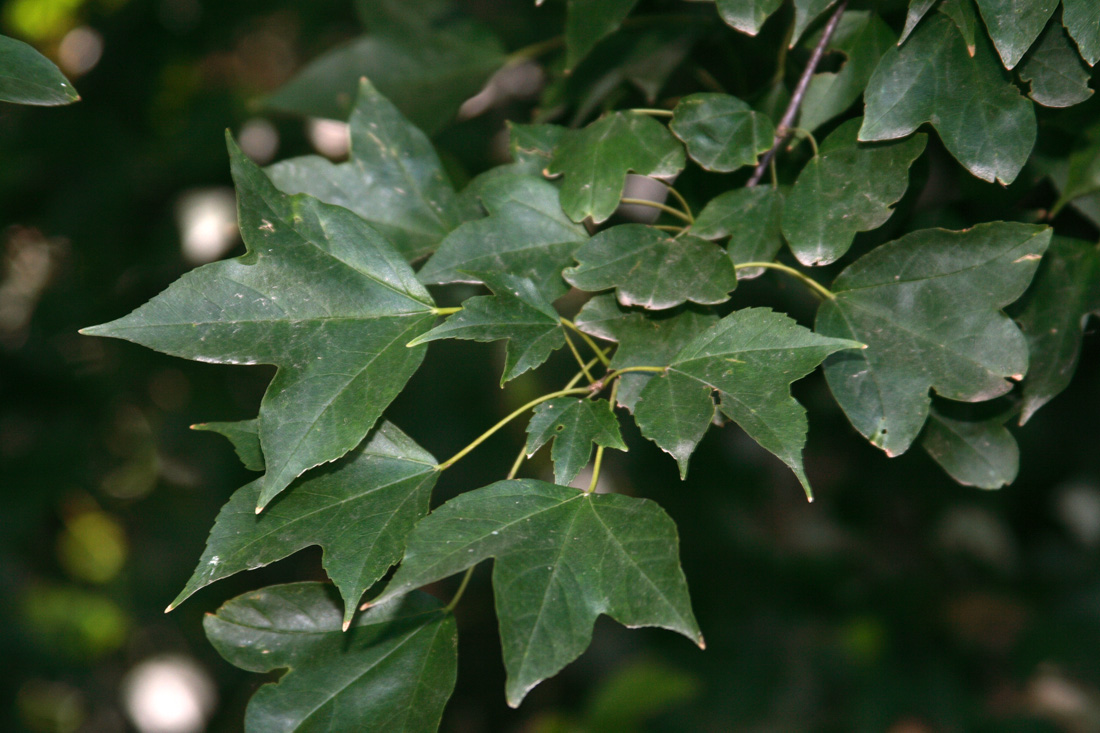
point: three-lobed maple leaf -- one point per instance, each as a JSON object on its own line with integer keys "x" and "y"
{"x": 574, "y": 425}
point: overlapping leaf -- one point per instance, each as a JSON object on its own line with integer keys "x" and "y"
{"x": 1015, "y": 24}
{"x": 392, "y": 671}
{"x": 917, "y": 10}
{"x": 359, "y": 510}
{"x": 747, "y": 16}
{"x": 574, "y": 425}
{"x": 517, "y": 312}
{"x": 978, "y": 112}
{"x": 526, "y": 234}
{"x": 965, "y": 18}
{"x": 849, "y": 187}
{"x": 1081, "y": 19}
{"x": 1066, "y": 290}
{"x": 750, "y": 217}
{"x": 750, "y": 357}
{"x": 1056, "y": 74}
{"x": 861, "y": 36}
{"x": 644, "y": 338}
{"x": 245, "y": 437}
{"x": 393, "y": 178}
{"x": 595, "y": 161}
{"x": 1082, "y": 176}
{"x": 563, "y": 557}
{"x": 721, "y": 132}
{"x": 28, "y": 77}
{"x": 978, "y": 453}
{"x": 650, "y": 268}
{"x": 589, "y": 21}
{"x": 806, "y": 12}
{"x": 321, "y": 295}
{"x": 928, "y": 306}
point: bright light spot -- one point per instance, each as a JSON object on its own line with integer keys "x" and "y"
{"x": 1079, "y": 509}
{"x": 259, "y": 140}
{"x": 169, "y": 694}
{"x": 80, "y": 50}
{"x": 207, "y": 219}
{"x": 330, "y": 138}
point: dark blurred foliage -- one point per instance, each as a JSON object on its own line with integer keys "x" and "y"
{"x": 898, "y": 601}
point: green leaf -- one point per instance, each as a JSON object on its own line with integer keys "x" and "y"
{"x": 517, "y": 312}
{"x": 595, "y": 161}
{"x": 974, "y": 453}
{"x": 1057, "y": 76}
{"x": 427, "y": 69}
{"x": 747, "y": 16}
{"x": 587, "y": 22}
{"x": 965, "y": 18}
{"x": 1065, "y": 291}
{"x": 245, "y": 437}
{"x": 28, "y": 77}
{"x": 850, "y": 187}
{"x": 750, "y": 357}
{"x": 978, "y": 112}
{"x": 1015, "y": 24}
{"x": 393, "y": 179}
{"x": 862, "y": 37}
{"x": 917, "y": 10}
{"x": 721, "y": 132}
{"x": 321, "y": 295}
{"x": 650, "y": 268}
{"x": 806, "y": 12}
{"x": 563, "y": 557}
{"x": 533, "y": 145}
{"x": 1083, "y": 173}
{"x": 359, "y": 511}
{"x": 574, "y": 425}
{"x": 1081, "y": 19}
{"x": 645, "y": 338}
{"x": 526, "y": 234}
{"x": 928, "y": 306}
{"x": 750, "y": 217}
{"x": 392, "y": 671}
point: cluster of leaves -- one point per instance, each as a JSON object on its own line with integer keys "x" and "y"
{"x": 333, "y": 291}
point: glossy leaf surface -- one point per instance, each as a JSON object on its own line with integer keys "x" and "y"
{"x": 392, "y": 671}
{"x": 974, "y": 453}
{"x": 721, "y": 132}
{"x": 928, "y": 306}
{"x": 917, "y": 10}
{"x": 1015, "y": 24}
{"x": 28, "y": 77}
{"x": 563, "y": 557}
{"x": 574, "y": 425}
{"x": 750, "y": 217}
{"x": 321, "y": 295}
{"x": 1081, "y": 19}
{"x": 1055, "y": 72}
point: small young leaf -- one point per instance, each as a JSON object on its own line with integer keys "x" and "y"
{"x": 321, "y": 295}
{"x": 850, "y": 187}
{"x": 928, "y": 306}
{"x": 974, "y": 453}
{"x": 750, "y": 357}
{"x": 1015, "y": 24}
{"x": 750, "y": 217}
{"x": 650, "y": 268}
{"x": 1081, "y": 19}
{"x": 359, "y": 510}
{"x": 392, "y": 671}
{"x": 861, "y": 36}
{"x": 595, "y": 161}
{"x": 245, "y": 437}
{"x": 1065, "y": 291}
{"x": 1057, "y": 76}
{"x": 589, "y": 21}
{"x": 721, "y": 132}
{"x": 574, "y": 425}
{"x": 28, "y": 77}
{"x": 979, "y": 114}
{"x": 917, "y": 10}
{"x": 965, "y": 18}
{"x": 645, "y": 338}
{"x": 747, "y": 16}
{"x": 517, "y": 312}
{"x": 563, "y": 557}
{"x": 526, "y": 234}
{"x": 393, "y": 179}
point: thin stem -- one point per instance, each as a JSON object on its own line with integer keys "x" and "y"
{"x": 668, "y": 228}
{"x": 774, "y": 174}
{"x": 587, "y": 340}
{"x": 783, "y": 129}
{"x": 446, "y": 311}
{"x": 512, "y": 416}
{"x": 808, "y": 135}
{"x": 577, "y": 377}
{"x": 577, "y": 356}
{"x": 676, "y": 195}
{"x": 518, "y": 462}
{"x": 654, "y": 205}
{"x": 814, "y": 285}
{"x": 625, "y": 370}
{"x": 653, "y": 112}
{"x": 533, "y": 51}
{"x": 461, "y": 589}
{"x": 599, "y": 448}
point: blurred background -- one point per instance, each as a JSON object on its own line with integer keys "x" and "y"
{"x": 898, "y": 601}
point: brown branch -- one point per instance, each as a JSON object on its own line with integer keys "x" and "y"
{"x": 783, "y": 130}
